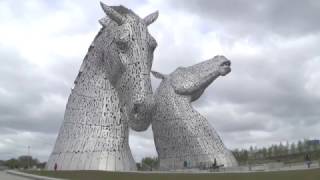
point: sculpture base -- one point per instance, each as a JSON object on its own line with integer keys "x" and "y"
{"x": 91, "y": 161}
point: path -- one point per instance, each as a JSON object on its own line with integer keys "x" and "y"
{"x": 5, "y": 176}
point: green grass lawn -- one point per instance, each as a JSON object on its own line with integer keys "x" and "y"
{"x": 313, "y": 174}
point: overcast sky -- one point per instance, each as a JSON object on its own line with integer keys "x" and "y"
{"x": 272, "y": 94}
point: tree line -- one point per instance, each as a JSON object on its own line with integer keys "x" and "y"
{"x": 283, "y": 152}
{"x": 23, "y": 162}
{"x": 287, "y": 152}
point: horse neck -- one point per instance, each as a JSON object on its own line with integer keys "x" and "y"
{"x": 165, "y": 95}
{"x": 101, "y": 41}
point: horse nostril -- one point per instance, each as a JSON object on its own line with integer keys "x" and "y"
{"x": 135, "y": 108}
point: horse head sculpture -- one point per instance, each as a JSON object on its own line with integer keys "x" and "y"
{"x": 112, "y": 92}
{"x": 193, "y": 80}
{"x": 183, "y": 137}
{"x": 129, "y": 68}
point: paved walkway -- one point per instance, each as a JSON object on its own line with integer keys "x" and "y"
{"x": 5, "y": 176}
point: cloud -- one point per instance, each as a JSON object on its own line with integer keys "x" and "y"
{"x": 246, "y": 17}
{"x": 15, "y": 143}
{"x": 142, "y": 144}
{"x": 30, "y": 99}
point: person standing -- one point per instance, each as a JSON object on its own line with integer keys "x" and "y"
{"x": 307, "y": 159}
{"x": 55, "y": 167}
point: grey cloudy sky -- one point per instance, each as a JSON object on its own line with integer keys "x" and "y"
{"x": 271, "y": 95}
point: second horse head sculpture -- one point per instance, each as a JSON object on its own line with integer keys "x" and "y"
{"x": 183, "y": 137}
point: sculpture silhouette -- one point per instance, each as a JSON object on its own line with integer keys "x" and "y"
{"x": 112, "y": 92}
{"x": 182, "y": 136}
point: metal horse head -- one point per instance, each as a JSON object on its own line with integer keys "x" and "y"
{"x": 193, "y": 80}
{"x": 129, "y": 59}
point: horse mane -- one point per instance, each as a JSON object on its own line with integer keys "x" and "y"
{"x": 120, "y": 9}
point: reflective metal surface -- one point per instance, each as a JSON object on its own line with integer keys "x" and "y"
{"x": 112, "y": 92}
{"x": 183, "y": 137}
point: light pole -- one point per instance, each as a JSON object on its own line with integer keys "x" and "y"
{"x": 29, "y": 157}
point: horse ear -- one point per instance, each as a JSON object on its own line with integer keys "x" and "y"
{"x": 114, "y": 15}
{"x": 151, "y": 18}
{"x": 158, "y": 75}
